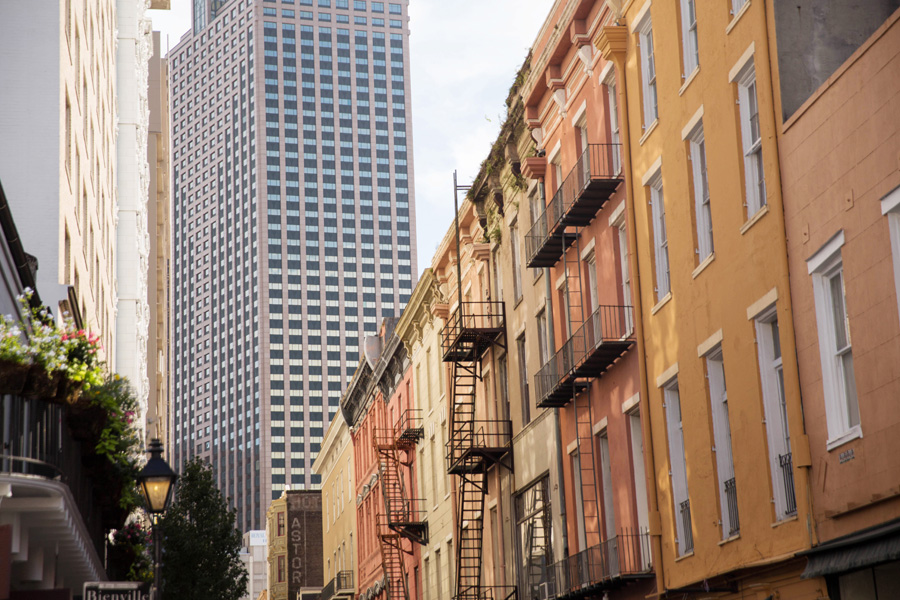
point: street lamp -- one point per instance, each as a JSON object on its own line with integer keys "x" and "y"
{"x": 157, "y": 481}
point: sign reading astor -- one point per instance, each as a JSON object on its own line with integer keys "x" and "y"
{"x": 304, "y": 547}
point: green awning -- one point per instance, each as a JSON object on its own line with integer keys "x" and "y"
{"x": 864, "y": 548}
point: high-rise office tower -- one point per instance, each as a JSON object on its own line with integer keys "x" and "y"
{"x": 293, "y": 226}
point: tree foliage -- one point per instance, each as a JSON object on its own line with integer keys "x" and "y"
{"x": 200, "y": 545}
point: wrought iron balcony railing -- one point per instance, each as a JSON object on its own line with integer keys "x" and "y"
{"x": 685, "y": 509}
{"x": 340, "y": 586}
{"x": 484, "y": 441}
{"x": 604, "y": 337}
{"x": 625, "y": 556}
{"x": 787, "y": 474}
{"x": 734, "y": 521}
{"x": 584, "y": 191}
{"x": 471, "y": 329}
{"x": 484, "y": 592}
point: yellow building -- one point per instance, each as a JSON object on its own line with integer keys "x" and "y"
{"x": 727, "y": 451}
{"x": 334, "y": 464}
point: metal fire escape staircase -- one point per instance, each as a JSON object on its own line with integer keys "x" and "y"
{"x": 475, "y": 445}
{"x": 402, "y": 519}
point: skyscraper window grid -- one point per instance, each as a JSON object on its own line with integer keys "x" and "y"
{"x": 294, "y": 228}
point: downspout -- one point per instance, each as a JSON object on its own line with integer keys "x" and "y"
{"x": 618, "y": 58}
{"x": 548, "y": 290}
{"x": 811, "y": 525}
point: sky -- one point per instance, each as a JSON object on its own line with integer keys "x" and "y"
{"x": 464, "y": 56}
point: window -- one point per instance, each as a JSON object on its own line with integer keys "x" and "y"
{"x": 516, "y": 261}
{"x": 280, "y": 524}
{"x": 543, "y": 342}
{"x": 702, "y": 212}
{"x": 768, "y": 344}
{"x": 613, "y": 113}
{"x": 737, "y": 5}
{"x": 890, "y": 206}
{"x": 838, "y": 380}
{"x": 625, "y": 273}
{"x": 498, "y": 281}
{"x": 660, "y": 238}
{"x": 281, "y": 569}
{"x": 690, "y": 47}
{"x": 637, "y": 468}
{"x": 718, "y": 398}
{"x": 609, "y": 511}
{"x": 578, "y": 484}
{"x": 648, "y": 71}
{"x": 502, "y": 389}
{"x": 533, "y": 537}
{"x": 678, "y": 469}
{"x": 590, "y": 267}
{"x": 523, "y": 380}
{"x": 754, "y": 177}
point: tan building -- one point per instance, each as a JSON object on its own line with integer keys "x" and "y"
{"x": 839, "y": 141}
{"x": 335, "y": 465}
{"x": 158, "y": 215}
{"x": 294, "y": 540}
{"x": 726, "y": 451}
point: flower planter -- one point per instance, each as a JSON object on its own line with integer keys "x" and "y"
{"x": 69, "y": 392}
{"x": 41, "y": 384}
{"x": 13, "y": 376}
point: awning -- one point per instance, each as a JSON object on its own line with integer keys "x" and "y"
{"x": 855, "y": 551}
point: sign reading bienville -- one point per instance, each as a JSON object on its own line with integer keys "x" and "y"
{"x": 116, "y": 590}
{"x": 304, "y": 548}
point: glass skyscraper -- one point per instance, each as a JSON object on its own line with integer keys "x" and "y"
{"x": 294, "y": 226}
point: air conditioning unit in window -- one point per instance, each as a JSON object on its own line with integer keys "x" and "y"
{"x": 547, "y": 591}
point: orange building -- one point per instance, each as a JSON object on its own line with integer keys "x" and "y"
{"x": 839, "y": 144}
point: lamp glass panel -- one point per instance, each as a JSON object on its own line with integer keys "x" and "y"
{"x": 156, "y": 489}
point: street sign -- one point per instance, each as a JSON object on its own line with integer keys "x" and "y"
{"x": 116, "y": 590}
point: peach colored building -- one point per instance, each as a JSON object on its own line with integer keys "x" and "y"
{"x": 839, "y": 146}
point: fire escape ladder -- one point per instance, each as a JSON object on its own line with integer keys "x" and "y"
{"x": 471, "y": 535}
{"x": 462, "y": 414}
{"x": 400, "y": 511}
{"x": 574, "y": 294}
{"x": 392, "y": 561}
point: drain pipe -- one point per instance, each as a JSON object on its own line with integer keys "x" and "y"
{"x": 560, "y": 465}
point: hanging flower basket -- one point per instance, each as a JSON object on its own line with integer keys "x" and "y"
{"x": 13, "y": 376}
{"x": 69, "y": 392}
{"x": 41, "y": 384}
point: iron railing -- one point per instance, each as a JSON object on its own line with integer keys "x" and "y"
{"x": 787, "y": 474}
{"x": 597, "y": 162}
{"x": 483, "y": 435}
{"x": 341, "y": 585}
{"x": 607, "y": 324}
{"x": 624, "y": 555}
{"x": 37, "y": 442}
{"x": 734, "y": 523}
{"x": 469, "y": 320}
{"x": 686, "y": 526}
{"x": 486, "y": 592}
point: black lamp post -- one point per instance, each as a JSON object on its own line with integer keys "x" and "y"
{"x": 157, "y": 481}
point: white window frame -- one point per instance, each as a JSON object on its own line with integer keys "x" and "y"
{"x": 841, "y": 408}
{"x": 543, "y": 340}
{"x": 690, "y": 45}
{"x": 648, "y": 71}
{"x": 590, "y": 264}
{"x": 718, "y": 400}
{"x": 890, "y": 207}
{"x": 754, "y": 171}
{"x": 702, "y": 207}
{"x": 619, "y": 222}
{"x": 613, "y": 115}
{"x": 677, "y": 460}
{"x": 660, "y": 236}
{"x": 771, "y": 377}
{"x": 637, "y": 467}
{"x": 609, "y": 509}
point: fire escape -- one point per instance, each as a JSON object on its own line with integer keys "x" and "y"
{"x": 475, "y": 445}
{"x": 402, "y": 518}
{"x": 596, "y": 337}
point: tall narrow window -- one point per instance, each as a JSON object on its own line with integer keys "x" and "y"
{"x": 838, "y": 379}
{"x": 579, "y": 501}
{"x": 590, "y": 267}
{"x": 660, "y": 237}
{"x": 678, "y": 469}
{"x": 754, "y": 175}
{"x": 609, "y": 511}
{"x": 718, "y": 399}
{"x": 498, "y": 282}
{"x": 890, "y": 207}
{"x": 438, "y": 576}
{"x": 543, "y": 342}
{"x": 778, "y": 436}
{"x": 614, "y": 137}
{"x": 702, "y": 212}
{"x": 516, "y": 261}
{"x": 637, "y": 468}
{"x": 648, "y": 71}
{"x": 690, "y": 45}
{"x": 503, "y": 387}
{"x": 496, "y": 547}
{"x": 523, "y": 380}
{"x": 534, "y": 537}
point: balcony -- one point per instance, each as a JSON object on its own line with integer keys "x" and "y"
{"x": 484, "y": 592}
{"x": 603, "y": 338}
{"x": 472, "y": 329}
{"x": 583, "y": 193}
{"x": 610, "y": 564}
{"x": 339, "y": 587}
{"x": 406, "y": 518}
{"x": 483, "y": 444}
{"x": 49, "y": 497}
{"x": 409, "y": 429}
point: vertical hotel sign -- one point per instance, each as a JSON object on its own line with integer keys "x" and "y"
{"x": 304, "y": 548}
